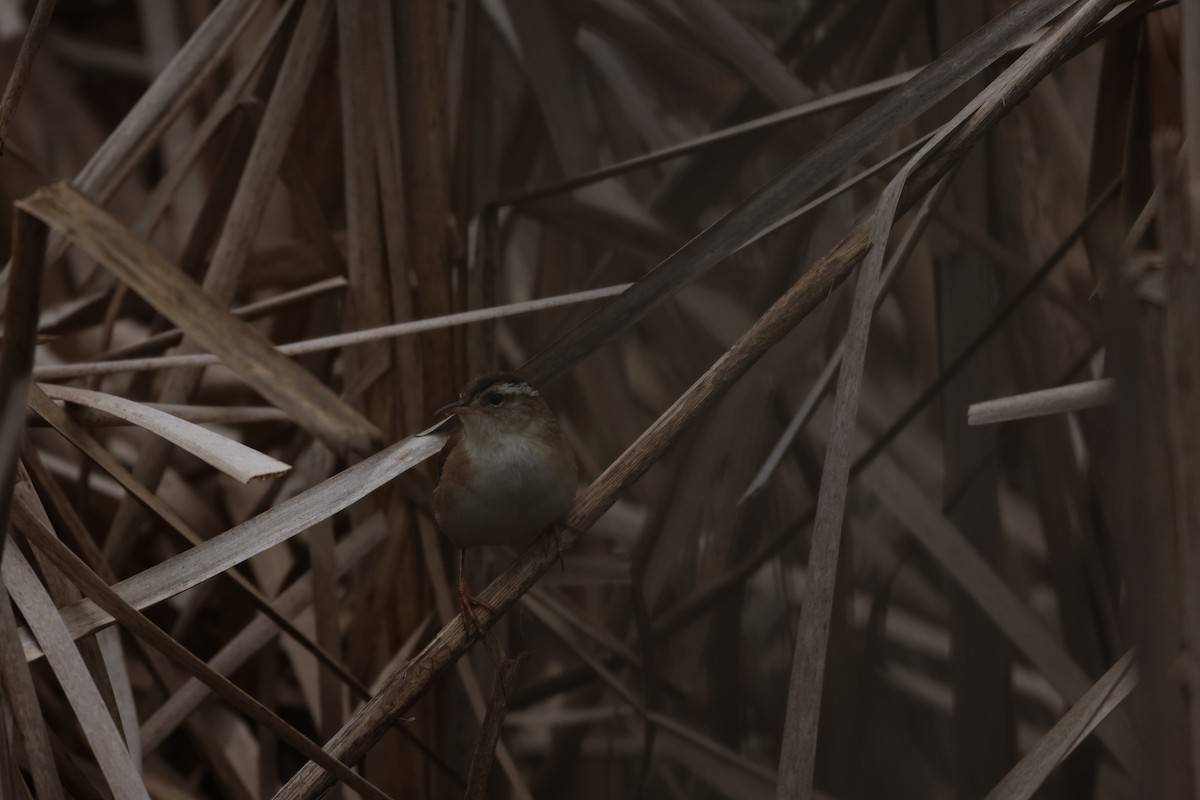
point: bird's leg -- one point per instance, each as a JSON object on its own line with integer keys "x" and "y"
{"x": 468, "y": 601}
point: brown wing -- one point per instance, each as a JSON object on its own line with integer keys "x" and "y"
{"x": 456, "y": 470}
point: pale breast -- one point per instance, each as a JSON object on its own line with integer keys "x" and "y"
{"x": 514, "y": 488}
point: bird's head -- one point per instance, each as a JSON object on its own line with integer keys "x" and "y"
{"x": 499, "y": 403}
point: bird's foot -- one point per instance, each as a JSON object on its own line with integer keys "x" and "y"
{"x": 468, "y": 601}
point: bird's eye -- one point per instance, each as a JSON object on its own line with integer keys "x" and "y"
{"x": 494, "y": 399}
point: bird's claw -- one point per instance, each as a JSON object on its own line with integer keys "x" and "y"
{"x": 468, "y": 601}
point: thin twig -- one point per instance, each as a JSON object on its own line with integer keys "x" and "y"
{"x": 489, "y": 733}
{"x": 64, "y": 371}
{"x": 39, "y": 23}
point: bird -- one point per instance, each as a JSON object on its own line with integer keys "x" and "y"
{"x": 508, "y": 473}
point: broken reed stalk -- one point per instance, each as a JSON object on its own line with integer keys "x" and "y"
{"x": 1057, "y": 400}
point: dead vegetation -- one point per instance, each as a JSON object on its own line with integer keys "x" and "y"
{"x": 873, "y": 326}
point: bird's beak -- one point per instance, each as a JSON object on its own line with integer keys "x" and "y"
{"x": 457, "y": 407}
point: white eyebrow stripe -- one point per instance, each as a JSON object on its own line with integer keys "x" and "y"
{"x": 516, "y": 388}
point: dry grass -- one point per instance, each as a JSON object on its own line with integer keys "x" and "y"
{"x": 872, "y": 324}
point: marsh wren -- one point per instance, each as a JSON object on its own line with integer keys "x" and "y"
{"x": 508, "y": 474}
